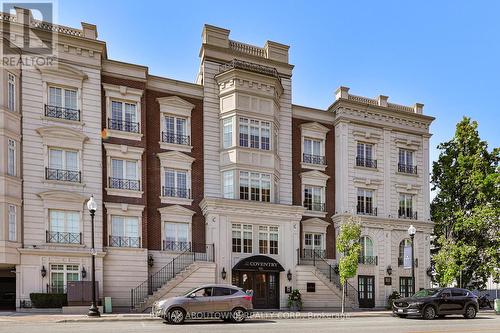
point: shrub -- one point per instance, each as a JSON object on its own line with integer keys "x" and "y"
{"x": 295, "y": 299}
{"x": 39, "y": 300}
{"x": 391, "y": 298}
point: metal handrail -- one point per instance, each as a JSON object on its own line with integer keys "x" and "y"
{"x": 368, "y": 260}
{"x": 176, "y": 192}
{"x": 63, "y": 175}
{"x": 63, "y": 237}
{"x": 125, "y": 184}
{"x": 364, "y": 211}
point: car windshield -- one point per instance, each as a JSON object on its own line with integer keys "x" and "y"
{"x": 190, "y": 291}
{"x": 426, "y": 293}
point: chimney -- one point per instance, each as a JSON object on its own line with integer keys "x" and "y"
{"x": 89, "y": 30}
{"x": 215, "y": 36}
{"x": 342, "y": 92}
{"x": 382, "y": 100}
{"x": 23, "y": 15}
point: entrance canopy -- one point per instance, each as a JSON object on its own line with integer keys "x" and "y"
{"x": 259, "y": 263}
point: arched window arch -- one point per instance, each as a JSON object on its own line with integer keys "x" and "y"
{"x": 366, "y": 246}
{"x": 404, "y": 243}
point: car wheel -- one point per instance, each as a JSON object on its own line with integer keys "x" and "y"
{"x": 176, "y": 316}
{"x": 470, "y": 312}
{"x": 429, "y": 313}
{"x": 441, "y": 316}
{"x": 238, "y": 315}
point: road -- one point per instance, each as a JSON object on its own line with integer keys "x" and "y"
{"x": 487, "y": 323}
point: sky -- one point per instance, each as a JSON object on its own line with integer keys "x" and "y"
{"x": 445, "y": 54}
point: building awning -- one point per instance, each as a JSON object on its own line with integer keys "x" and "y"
{"x": 259, "y": 263}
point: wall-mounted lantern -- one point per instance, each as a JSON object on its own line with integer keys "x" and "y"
{"x": 84, "y": 273}
{"x": 151, "y": 261}
{"x": 389, "y": 270}
{"x": 43, "y": 271}
{"x": 289, "y": 275}
{"x": 223, "y": 274}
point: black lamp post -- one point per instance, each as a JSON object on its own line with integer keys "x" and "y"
{"x": 411, "y": 232}
{"x": 93, "y": 310}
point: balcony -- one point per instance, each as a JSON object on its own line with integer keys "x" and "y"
{"x": 123, "y": 241}
{"x": 372, "y": 211}
{"x": 176, "y": 192}
{"x": 315, "y": 206}
{"x": 63, "y": 175}
{"x": 125, "y": 184}
{"x": 401, "y": 262}
{"x": 407, "y": 168}
{"x": 368, "y": 260}
{"x": 123, "y": 125}
{"x": 59, "y": 112}
{"x": 366, "y": 162}
{"x": 176, "y": 246}
{"x": 314, "y": 159}
{"x": 63, "y": 237}
{"x": 177, "y": 139}
{"x": 407, "y": 214}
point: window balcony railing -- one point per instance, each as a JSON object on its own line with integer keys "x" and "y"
{"x": 176, "y": 192}
{"x": 407, "y": 214}
{"x": 123, "y": 125}
{"x": 315, "y": 206}
{"x": 53, "y": 111}
{"x": 125, "y": 184}
{"x": 63, "y": 237}
{"x": 401, "y": 262}
{"x": 309, "y": 253}
{"x": 407, "y": 168}
{"x": 368, "y": 260}
{"x": 63, "y": 175}
{"x": 314, "y": 159}
{"x": 360, "y": 210}
{"x": 176, "y": 246}
{"x": 178, "y": 139}
{"x": 124, "y": 241}
{"x": 366, "y": 162}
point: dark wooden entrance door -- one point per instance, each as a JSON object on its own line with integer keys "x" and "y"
{"x": 366, "y": 291}
{"x": 265, "y": 286}
{"x": 7, "y": 293}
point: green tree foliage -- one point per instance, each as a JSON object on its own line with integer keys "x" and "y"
{"x": 348, "y": 245}
{"x": 466, "y": 209}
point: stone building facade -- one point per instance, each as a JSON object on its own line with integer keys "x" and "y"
{"x": 222, "y": 180}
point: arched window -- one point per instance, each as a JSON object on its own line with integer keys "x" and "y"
{"x": 404, "y": 243}
{"x": 366, "y": 246}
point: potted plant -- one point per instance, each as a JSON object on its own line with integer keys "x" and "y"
{"x": 295, "y": 300}
{"x": 395, "y": 295}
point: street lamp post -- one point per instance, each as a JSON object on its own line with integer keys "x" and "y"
{"x": 411, "y": 232}
{"x": 92, "y": 207}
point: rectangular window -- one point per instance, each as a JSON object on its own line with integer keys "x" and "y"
{"x": 259, "y": 131}
{"x": 242, "y": 235}
{"x": 12, "y": 223}
{"x": 365, "y": 151}
{"x": 63, "y": 159}
{"x": 312, "y": 147}
{"x": 268, "y": 239}
{"x": 406, "y": 206}
{"x": 175, "y": 130}
{"x": 259, "y": 185}
{"x": 313, "y": 198}
{"x": 365, "y": 201}
{"x": 63, "y": 98}
{"x": 176, "y": 183}
{"x": 176, "y": 236}
{"x": 62, "y": 221}
{"x": 124, "y": 231}
{"x": 124, "y": 117}
{"x": 243, "y": 132}
{"x": 124, "y": 169}
{"x": 406, "y": 157}
{"x": 61, "y": 274}
{"x": 227, "y": 132}
{"x": 228, "y": 184}
{"x": 11, "y": 92}
{"x": 11, "y": 158}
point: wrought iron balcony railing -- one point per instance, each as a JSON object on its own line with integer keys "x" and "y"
{"x": 53, "y": 111}
{"x": 123, "y": 241}
{"x": 407, "y": 214}
{"x": 175, "y": 138}
{"x": 314, "y": 159}
{"x": 309, "y": 253}
{"x": 123, "y": 125}
{"x": 407, "y": 168}
{"x": 368, "y": 260}
{"x": 360, "y": 210}
{"x": 401, "y": 262}
{"x": 176, "y": 246}
{"x": 366, "y": 162}
{"x": 315, "y": 206}
{"x": 176, "y": 192}
{"x": 63, "y": 175}
{"x": 125, "y": 184}
{"x": 63, "y": 237}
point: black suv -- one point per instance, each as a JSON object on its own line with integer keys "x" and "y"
{"x": 437, "y": 302}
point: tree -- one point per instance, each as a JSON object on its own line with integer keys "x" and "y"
{"x": 348, "y": 245}
{"x": 466, "y": 209}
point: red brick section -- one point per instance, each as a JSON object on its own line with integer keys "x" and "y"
{"x": 118, "y": 141}
{"x": 330, "y": 184}
{"x": 154, "y": 185}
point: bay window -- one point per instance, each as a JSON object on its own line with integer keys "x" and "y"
{"x": 63, "y": 165}
{"x": 176, "y": 184}
{"x": 227, "y": 132}
{"x": 228, "y": 184}
{"x": 313, "y": 198}
{"x": 255, "y": 186}
{"x": 124, "y": 231}
{"x": 124, "y": 175}
{"x": 176, "y": 237}
{"x": 255, "y": 133}
{"x": 12, "y": 220}
{"x": 64, "y": 227}
{"x": 242, "y": 238}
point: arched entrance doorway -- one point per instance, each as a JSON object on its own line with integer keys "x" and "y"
{"x": 260, "y": 274}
